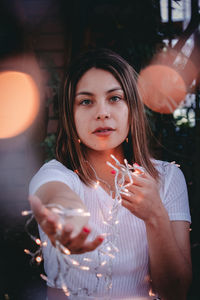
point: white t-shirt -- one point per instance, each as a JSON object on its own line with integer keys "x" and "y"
{"x": 129, "y": 269}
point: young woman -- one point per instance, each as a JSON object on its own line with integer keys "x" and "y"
{"x": 101, "y": 114}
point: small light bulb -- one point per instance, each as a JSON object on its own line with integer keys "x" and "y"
{"x": 86, "y": 214}
{"x": 87, "y": 259}
{"x": 74, "y": 262}
{"x": 27, "y": 251}
{"x": 151, "y": 293}
{"x": 38, "y": 259}
{"x": 65, "y": 290}
{"x": 110, "y": 286}
{"x": 111, "y": 255}
{"x": 26, "y": 213}
{"x": 38, "y": 242}
{"x": 60, "y": 226}
{"x": 96, "y": 184}
{"x": 85, "y": 268}
{"x": 136, "y": 172}
{"x": 66, "y": 251}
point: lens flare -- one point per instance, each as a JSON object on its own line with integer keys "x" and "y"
{"x": 161, "y": 88}
{"x": 19, "y": 103}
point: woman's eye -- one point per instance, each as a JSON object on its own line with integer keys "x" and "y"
{"x": 86, "y": 102}
{"x": 115, "y": 98}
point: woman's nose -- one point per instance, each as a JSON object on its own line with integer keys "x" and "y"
{"x": 102, "y": 112}
{"x": 102, "y": 116}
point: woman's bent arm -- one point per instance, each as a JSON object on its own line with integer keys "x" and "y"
{"x": 169, "y": 252}
{"x": 168, "y": 242}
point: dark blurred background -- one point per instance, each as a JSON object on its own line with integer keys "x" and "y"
{"x": 52, "y": 32}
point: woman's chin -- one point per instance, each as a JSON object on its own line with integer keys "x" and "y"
{"x": 103, "y": 147}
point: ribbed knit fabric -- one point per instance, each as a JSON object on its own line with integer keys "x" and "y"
{"x": 130, "y": 273}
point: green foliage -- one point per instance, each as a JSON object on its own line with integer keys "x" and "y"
{"x": 49, "y": 146}
{"x": 53, "y": 85}
{"x": 182, "y": 121}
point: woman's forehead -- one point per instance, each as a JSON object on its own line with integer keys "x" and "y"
{"x": 97, "y": 78}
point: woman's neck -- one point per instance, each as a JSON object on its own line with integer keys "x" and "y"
{"x": 98, "y": 160}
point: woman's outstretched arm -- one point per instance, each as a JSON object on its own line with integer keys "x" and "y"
{"x": 56, "y": 192}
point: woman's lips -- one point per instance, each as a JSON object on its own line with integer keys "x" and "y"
{"x": 103, "y": 131}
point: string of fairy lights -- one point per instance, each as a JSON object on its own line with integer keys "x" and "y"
{"x": 106, "y": 251}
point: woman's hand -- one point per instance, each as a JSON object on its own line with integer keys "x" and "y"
{"x": 142, "y": 198}
{"x": 49, "y": 221}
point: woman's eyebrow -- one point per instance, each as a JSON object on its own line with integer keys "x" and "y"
{"x": 91, "y": 94}
{"x": 114, "y": 89}
{"x": 84, "y": 93}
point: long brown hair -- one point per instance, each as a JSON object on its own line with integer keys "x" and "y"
{"x": 68, "y": 149}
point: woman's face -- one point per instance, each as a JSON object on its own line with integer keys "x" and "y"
{"x": 100, "y": 111}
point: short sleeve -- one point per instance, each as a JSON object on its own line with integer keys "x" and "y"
{"x": 55, "y": 171}
{"x": 175, "y": 194}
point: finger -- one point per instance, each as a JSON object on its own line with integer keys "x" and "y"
{"x": 136, "y": 180}
{"x": 128, "y": 197}
{"x": 66, "y": 233}
{"x": 138, "y": 169}
{"x": 79, "y": 240}
{"x": 46, "y": 219}
{"x": 139, "y": 180}
{"x": 38, "y": 209}
{"x": 134, "y": 189}
{"x": 90, "y": 246}
{"x": 127, "y": 204}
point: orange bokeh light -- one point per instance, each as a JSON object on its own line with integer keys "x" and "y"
{"x": 19, "y": 103}
{"x": 162, "y": 88}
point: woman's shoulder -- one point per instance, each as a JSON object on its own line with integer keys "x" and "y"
{"x": 170, "y": 174}
{"x": 54, "y": 170}
{"x": 165, "y": 167}
{"x": 173, "y": 190}
{"x": 56, "y": 165}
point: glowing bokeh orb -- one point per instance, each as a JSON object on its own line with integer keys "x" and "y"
{"x": 162, "y": 89}
{"x": 19, "y": 103}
